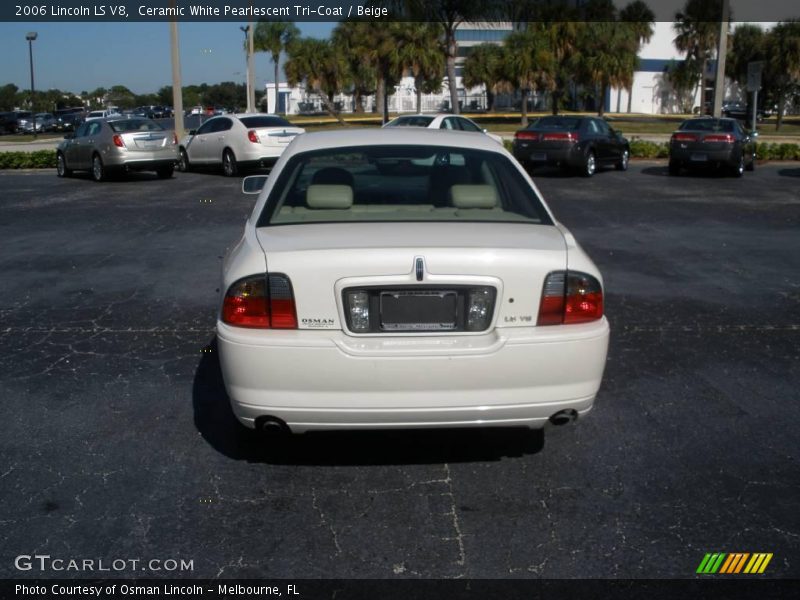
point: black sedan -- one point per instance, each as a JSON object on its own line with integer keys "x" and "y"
{"x": 709, "y": 142}
{"x": 580, "y": 143}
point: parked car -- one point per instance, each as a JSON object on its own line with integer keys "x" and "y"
{"x": 741, "y": 112}
{"x": 441, "y": 121}
{"x": 102, "y": 114}
{"x": 709, "y": 142}
{"x": 8, "y": 123}
{"x": 69, "y": 122}
{"x": 14, "y": 121}
{"x": 580, "y": 143}
{"x": 440, "y": 291}
{"x": 105, "y": 146}
{"x": 236, "y": 141}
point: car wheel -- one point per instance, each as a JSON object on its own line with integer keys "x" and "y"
{"x": 229, "y": 166}
{"x": 751, "y": 166}
{"x": 674, "y": 167}
{"x": 165, "y": 172}
{"x": 738, "y": 170}
{"x": 61, "y": 166}
{"x": 590, "y": 164}
{"x": 183, "y": 161}
{"x": 622, "y": 165}
{"x": 98, "y": 169}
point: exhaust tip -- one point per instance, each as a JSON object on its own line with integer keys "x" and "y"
{"x": 272, "y": 427}
{"x": 563, "y": 417}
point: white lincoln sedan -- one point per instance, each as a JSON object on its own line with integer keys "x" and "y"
{"x": 399, "y": 278}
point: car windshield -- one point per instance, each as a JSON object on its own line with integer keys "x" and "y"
{"x": 401, "y": 183}
{"x": 129, "y": 125}
{"x": 569, "y": 123}
{"x": 263, "y": 121}
{"x": 707, "y": 125}
{"x": 415, "y": 121}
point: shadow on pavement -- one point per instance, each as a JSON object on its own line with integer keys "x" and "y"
{"x": 215, "y": 421}
{"x": 789, "y": 172}
{"x": 693, "y": 173}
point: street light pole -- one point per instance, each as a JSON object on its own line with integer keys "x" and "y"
{"x": 248, "y": 53}
{"x": 32, "y": 35}
{"x": 722, "y": 50}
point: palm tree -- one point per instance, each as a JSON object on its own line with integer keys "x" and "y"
{"x": 641, "y": 19}
{"x": 782, "y": 45}
{"x": 352, "y": 40}
{"x": 747, "y": 45}
{"x": 484, "y": 66}
{"x": 609, "y": 58}
{"x": 419, "y": 50}
{"x": 697, "y": 29}
{"x": 274, "y": 37}
{"x": 531, "y": 64}
{"x": 316, "y": 64}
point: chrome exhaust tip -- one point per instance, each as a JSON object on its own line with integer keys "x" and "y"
{"x": 563, "y": 417}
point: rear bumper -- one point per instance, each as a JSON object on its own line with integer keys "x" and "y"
{"x": 328, "y": 380}
{"x": 571, "y": 156}
{"x": 141, "y": 161}
{"x": 690, "y": 157}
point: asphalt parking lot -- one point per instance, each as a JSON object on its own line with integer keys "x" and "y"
{"x": 117, "y": 441}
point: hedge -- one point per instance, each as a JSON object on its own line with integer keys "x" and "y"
{"x": 40, "y": 159}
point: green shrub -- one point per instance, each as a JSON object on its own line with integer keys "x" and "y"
{"x": 40, "y": 159}
{"x": 778, "y": 151}
{"x": 643, "y": 149}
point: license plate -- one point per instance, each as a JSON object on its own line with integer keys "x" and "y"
{"x": 538, "y": 156}
{"x": 418, "y": 310}
{"x": 698, "y": 157}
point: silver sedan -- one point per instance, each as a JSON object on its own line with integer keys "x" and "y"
{"x": 104, "y": 146}
{"x": 237, "y": 141}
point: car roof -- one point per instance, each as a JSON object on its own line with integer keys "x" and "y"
{"x": 411, "y": 136}
{"x": 256, "y": 114}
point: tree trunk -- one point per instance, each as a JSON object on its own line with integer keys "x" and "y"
{"x": 619, "y": 100}
{"x": 554, "y": 97}
{"x": 329, "y": 106}
{"x": 358, "y": 101}
{"x": 418, "y": 85}
{"x": 781, "y": 106}
{"x": 524, "y": 107}
{"x": 380, "y": 96}
{"x": 450, "y": 40}
{"x": 630, "y": 98}
{"x": 601, "y": 104}
{"x": 276, "y": 59}
{"x": 491, "y": 99}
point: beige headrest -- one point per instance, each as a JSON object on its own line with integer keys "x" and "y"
{"x": 473, "y": 196}
{"x": 329, "y": 196}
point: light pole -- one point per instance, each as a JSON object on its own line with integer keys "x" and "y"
{"x": 246, "y": 31}
{"x": 30, "y": 36}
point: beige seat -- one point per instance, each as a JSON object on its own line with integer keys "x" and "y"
{"x": 330, "y": 196}
{"x": 473, "y": 196}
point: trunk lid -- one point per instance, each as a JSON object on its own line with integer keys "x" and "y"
{"x": 273, "y": 136}
{"x": 321, "y": 260}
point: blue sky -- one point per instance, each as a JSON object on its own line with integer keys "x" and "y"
{"x": 83, "y": 56}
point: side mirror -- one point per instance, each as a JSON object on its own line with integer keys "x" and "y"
{"x": 192, "y": 131}
{"x": 69, "y": 136}
{"x": 253, "y": 184}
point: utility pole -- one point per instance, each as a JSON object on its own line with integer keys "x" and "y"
{"x": 722, "y": 51}
{"x": 177, "y": 88}
{"x": 246, "y": 31}
{"x": 32, "y": 35}
{"x": 251, "y": 72}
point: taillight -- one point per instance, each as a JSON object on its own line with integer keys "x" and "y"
{"x": 261, "y": 301}
{"x": 253, "y": 136}
{"x": 725, "y": 138}
{"x": 560, "y": 136}
{"x": 175, "y": 139}
{"x": 570, "y": 297}
{"x": 684, "y": 137}
{"x": 117, "y": 139}
{"x": 526, "y": 135}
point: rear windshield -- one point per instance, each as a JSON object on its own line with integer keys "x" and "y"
{"x": 258, "y": 122}
{"x": 568, "y": 123}
{"x": 401, "y": 183}
{"x": 707, "y": 125}
{"x": 129, "y": 125}
{"x": 415, "y": 121}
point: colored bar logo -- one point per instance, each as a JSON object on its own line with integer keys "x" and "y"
{"x": 734, "y": 563}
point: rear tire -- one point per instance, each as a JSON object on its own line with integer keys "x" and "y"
{"x": 229, "y": 166}
{"x": 183, "y": 161}
{"x": 165, "y": 172}
{"x": 61, "y": 166}
{"x": 98, "y": 169}
{"x": 622, "y": 165}
{"x": 590, "y": 164}
{"x": 674, "y": 167}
